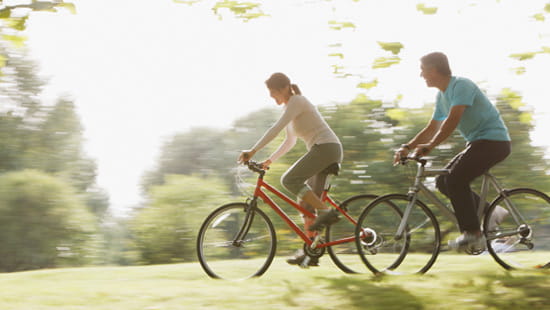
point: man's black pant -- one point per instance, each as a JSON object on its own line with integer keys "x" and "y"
{"x": 478, "y": 157}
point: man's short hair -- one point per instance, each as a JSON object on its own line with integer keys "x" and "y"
{"x": 437, "y": 60}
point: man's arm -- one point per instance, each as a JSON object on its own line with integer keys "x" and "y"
{"x": 446, "y": 129}
{"x": 423, "y": 136}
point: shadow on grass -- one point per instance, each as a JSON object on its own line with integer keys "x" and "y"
{"x": 361, "y": 294}
{"x": 512, "y": 291}
{"x": 484, "y": 291}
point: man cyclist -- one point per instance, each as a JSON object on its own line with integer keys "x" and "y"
{"x": 460, "y": 104}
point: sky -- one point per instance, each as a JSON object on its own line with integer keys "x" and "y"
{"x": 140, "y": 72}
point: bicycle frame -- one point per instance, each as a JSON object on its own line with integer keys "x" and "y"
{"x": 259, "y": 193}
{"x": 488, "y": 180}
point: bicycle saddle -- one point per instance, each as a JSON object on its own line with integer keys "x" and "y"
{"x": 332, "y": 169}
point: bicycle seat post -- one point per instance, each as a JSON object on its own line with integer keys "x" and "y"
{"x": 316, "y": 241}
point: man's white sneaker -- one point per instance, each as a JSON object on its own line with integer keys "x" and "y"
{"x": 468, "y": 242}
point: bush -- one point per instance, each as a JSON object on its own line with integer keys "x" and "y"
{"x": 165, "y": 230}
{"x": 42, "y": 223}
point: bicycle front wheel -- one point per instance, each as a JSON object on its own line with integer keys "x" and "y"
{"x": 234, "y": 243}
{"x": 344, "y": 255}
{"x": 383, "y": 250}
{"x": 517, "y": 227}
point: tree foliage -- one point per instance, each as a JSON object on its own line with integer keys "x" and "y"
{"x": 250, "y": 10}
{"x": 208, "y": 152}
{"x": 13, "y": 19}
{"x": 527, "y": 165}
{"x": 165, "y": 231}
{"x": 51, "y": 141}
{"x": 43, "y": 223}
{"x": 43, "y": 137}
{"x": 244, "y": 10}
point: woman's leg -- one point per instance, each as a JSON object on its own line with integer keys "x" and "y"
{"x": 313, "y": 162}
{"x": 293, "y": 180}
{"x": 310, "y": 165}
{"x": 317, "y": 184}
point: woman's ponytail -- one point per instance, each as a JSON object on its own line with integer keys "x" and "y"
{"x": 295, "y": 89}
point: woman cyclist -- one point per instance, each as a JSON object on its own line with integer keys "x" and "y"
{"x": 304, "y": 178}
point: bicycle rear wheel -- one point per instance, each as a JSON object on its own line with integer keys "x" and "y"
{"x": 519, "y": 241}
{"x": 224, "y": 255}
{"x": 414, "y": 251}
{"x": 344, "y": 255}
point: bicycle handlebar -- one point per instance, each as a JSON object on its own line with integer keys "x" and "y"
{"x": 415, "y": 157}
{"x": 257, "y": 167}
{"x": 254, "y": 166}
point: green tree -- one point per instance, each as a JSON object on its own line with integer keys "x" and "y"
{"x": 209, "y": 152}
{"x": 43, "y": 223}
{"x": 13, "y": 22}
{"x": 58, "y": 146}
{"x": 527, "y": 165}
{"x": 51, "y": 141}
{"x": 197, "y": 151}
{"x": 165, "y": 230}
{"x": 11, "y": 140}
{"x": 19, "y": 109}
{"x": 43, "y": 137}
{"x": 119, "y": 247}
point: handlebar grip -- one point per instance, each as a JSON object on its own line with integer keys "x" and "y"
{"x": 254, "y": 166}
{"x": 415, "y": 157}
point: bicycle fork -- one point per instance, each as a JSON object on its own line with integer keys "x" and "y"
{"x": 412, "y": 196}
{"x": 238, "y": 240}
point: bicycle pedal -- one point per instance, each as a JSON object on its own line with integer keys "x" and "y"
{"x": 305, "y": 262}
{"x": 474, "y": 251}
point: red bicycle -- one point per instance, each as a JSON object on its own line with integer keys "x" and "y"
{"x": 238, "y": 240}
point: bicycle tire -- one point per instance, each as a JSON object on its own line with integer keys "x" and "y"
{"x": 517, "y": 243}
{"x": 345, "y": 255}
{"x": 222, "y": 257}
{"x": 413, "y": 253}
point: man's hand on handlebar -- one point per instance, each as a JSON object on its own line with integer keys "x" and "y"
{"x": 423, "y": 150}
{"x": 400, "y": 154}
{"x": 404, "y": 153}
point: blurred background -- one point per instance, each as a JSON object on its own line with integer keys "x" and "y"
{"x": 121, "y": 121}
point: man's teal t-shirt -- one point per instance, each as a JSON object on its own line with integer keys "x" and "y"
{"x": 480, "y": 121}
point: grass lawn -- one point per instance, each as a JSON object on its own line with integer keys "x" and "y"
{"x": 455, "y": 282}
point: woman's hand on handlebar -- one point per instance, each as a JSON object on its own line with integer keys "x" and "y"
{"x": 265, "y": 164}
{"x": 245, "y": 156}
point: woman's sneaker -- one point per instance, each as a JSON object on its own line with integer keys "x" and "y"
{"x": 468, "y": 242}
{"x": 325, "y": 218}
{"x": 299, "y": 258}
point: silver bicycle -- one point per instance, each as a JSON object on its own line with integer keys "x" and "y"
{"x": 516, "y": 225}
